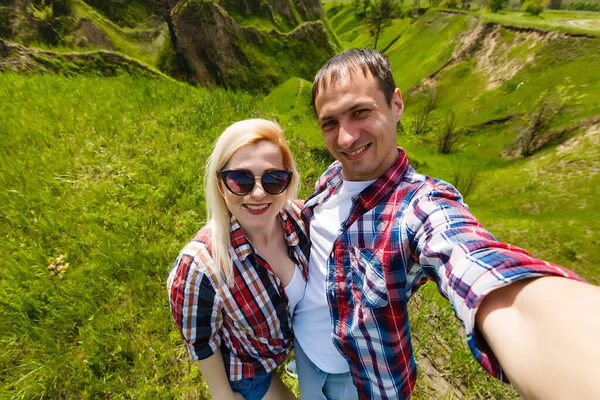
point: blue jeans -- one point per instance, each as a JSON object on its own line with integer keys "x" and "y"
{"x": 316, "y": 384}
{"x": 252, "y": 388}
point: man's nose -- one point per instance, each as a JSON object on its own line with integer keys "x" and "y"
{"x": 347, "y": 135}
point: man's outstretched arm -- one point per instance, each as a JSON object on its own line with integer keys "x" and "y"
{"x": 545, "y": 333}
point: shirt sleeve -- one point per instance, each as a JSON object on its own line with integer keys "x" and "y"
{"x": 195, "y": 306}
{"x": 467, "y": 262}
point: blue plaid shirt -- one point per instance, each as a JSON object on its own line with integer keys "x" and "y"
{"x": 403, "y": 229}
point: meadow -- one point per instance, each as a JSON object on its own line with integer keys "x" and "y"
{"x": 101, "y": 186}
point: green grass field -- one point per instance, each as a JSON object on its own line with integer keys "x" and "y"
{"x": 104, "y": 173}
{"x": 101, "y": 186}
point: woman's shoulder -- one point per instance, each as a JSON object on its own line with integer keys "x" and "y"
{"x": 197, "y": 253}
{"x": 295, "y": 208}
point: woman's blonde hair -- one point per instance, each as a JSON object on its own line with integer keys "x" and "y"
{"x": 236, "y": 136}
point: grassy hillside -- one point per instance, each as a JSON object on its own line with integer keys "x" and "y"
{"x": 102, "y": 183}
{"x": 102, "y": 177}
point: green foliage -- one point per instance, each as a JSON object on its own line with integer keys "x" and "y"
{"x": 448, "y": 134}
{"x": 381, "y": 16}
{"x": 535, "y": 7}
{"x": 536, "y": 123}
{"x": 5, "y": 13}
{"x": 450, "y": 4}
{"x": 496, "y": 5}
{"x": 590, "y": 5}
{"x": 49, "y": 22}
{"x": 131, "y": 13}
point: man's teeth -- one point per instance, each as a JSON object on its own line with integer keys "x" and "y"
{"x": 353, "y": 153}
{"x": 253, "y": 207}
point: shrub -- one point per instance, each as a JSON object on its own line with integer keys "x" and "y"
{"x": 536, "y": 123}
{"x": 448, "y": 135}
{"x": 421, "y": 124}
{"x": 496, "y": 5}
{"x": 450, "y": 4}
{"x": 534, "y": 7}
{"x": 465, "y": 182}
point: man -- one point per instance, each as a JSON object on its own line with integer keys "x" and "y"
{"x": 379, "y": 230}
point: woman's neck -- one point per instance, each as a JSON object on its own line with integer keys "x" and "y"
{"x": 263, "y": 237}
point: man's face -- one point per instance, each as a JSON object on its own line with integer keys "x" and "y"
{"x": 359, "y": 126}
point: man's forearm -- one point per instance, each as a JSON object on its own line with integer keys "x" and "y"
{"x": 545, "y": 333}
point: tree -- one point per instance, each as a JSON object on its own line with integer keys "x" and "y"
{"x": 382, "y": 13}
{"x": 355, "y": 5}
{"x": 496, "y": 5}
{"x": 534, "y": 7}
{"x": 366, "y": 6}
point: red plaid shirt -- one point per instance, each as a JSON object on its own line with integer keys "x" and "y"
{"x": 403, "y": 229}
{"x": 250, "y": 322}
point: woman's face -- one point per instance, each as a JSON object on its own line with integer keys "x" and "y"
{"x": 257, "y": 209}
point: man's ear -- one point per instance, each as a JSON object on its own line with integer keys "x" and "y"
{"x": 398, "y": 104}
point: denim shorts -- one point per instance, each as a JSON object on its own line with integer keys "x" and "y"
{"x": 252, "y": 388}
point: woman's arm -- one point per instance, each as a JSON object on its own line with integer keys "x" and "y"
{"x": 213, "y": 372}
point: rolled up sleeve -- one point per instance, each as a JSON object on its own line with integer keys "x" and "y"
{"x": 467, "y": 262}
{"x": 195, "y": 307}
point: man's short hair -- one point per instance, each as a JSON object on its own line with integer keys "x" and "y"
{"x": 349, "y": 62}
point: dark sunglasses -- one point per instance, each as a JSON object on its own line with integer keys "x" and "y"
{"x": 242, "y": 182}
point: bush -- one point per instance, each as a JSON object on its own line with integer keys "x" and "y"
{"x": 448, "y": 135}
{"x": 5, "y": 31}
{"x": 535, "y": 125}
{"x": 465, "y": 182}
{"x": 421, "y": 124}
{"x": 496, "y": 5}
{"x": 534, "y": 7}
{"x": 53, "y": 19}
{"x": 450, "y": 4}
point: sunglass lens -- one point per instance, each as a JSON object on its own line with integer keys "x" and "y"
{"x": 239, "y": 182}
{"x": 275, "y": 182}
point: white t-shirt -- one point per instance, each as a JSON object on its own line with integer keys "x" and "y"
{"x": 312, "y": 321}
{"x": 295, "y": 289}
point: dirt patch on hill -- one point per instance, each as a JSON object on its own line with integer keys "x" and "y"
{"x": 591, "y": 137}
{"x": 495, "y": 59}
{"x": 583, "y": 23}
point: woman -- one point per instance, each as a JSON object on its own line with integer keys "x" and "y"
{"x": 234, "y": 287}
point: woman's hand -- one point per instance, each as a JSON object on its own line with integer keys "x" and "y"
{"x": 227, "y": 394}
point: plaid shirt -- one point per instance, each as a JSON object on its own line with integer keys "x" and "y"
{"x": 403, "y": 229}
{"x": 250, "y": 323}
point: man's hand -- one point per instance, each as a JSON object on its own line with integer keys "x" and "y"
{"x": 545, "y": 332}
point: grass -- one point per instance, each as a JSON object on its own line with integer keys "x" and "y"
{"x": 585, "y": 22}
{"x": 107, "y": 172}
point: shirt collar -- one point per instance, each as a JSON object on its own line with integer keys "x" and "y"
{"x": 368, "y": 198}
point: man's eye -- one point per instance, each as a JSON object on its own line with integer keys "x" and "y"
{"x": 360, "y": 112}
{"x": 327, "y": 124}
